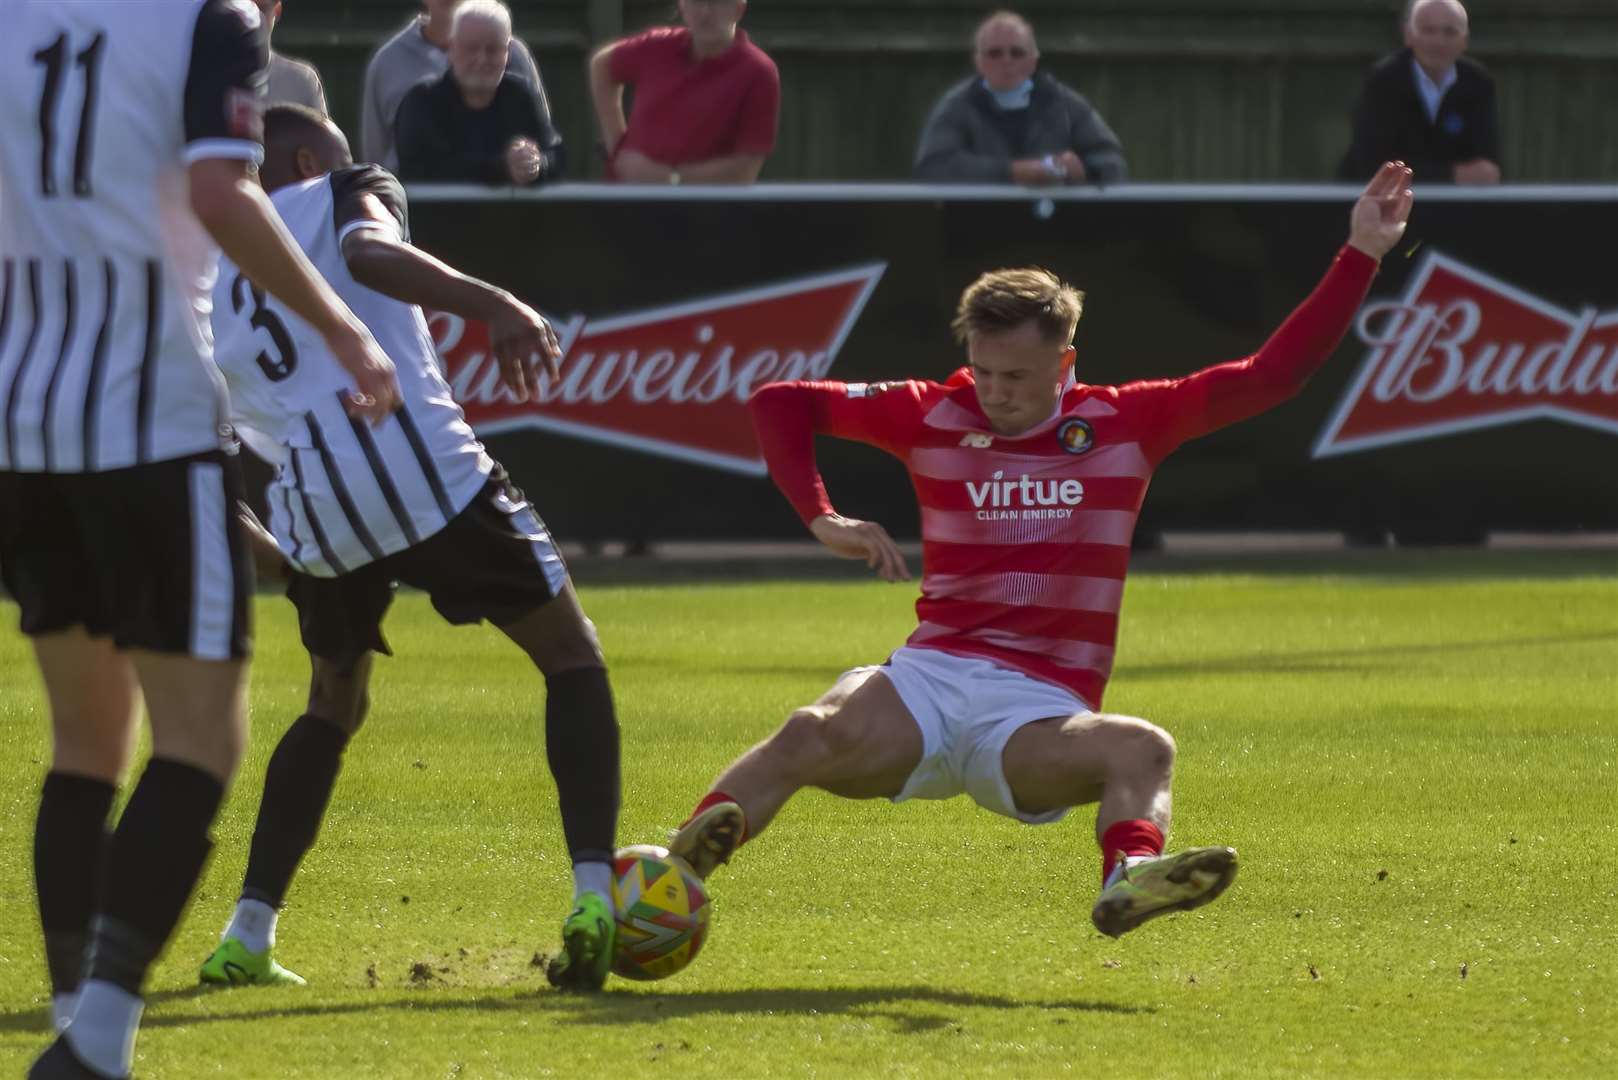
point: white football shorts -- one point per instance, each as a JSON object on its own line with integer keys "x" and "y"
{"x": 968, "y": 709}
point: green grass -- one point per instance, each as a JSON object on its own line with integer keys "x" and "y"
{"x": 1414, "y": 754}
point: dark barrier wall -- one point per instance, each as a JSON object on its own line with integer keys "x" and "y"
{"x": 1479, "y": 389}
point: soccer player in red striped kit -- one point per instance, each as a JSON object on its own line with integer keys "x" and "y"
{"x": 1029, "y": 483}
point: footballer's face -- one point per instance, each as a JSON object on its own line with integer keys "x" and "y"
{"x": 1020, "y": 375}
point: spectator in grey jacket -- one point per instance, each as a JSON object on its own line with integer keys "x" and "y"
{"x": 294, "y": 82}
{"x": 1012, "y": 123}
{"x": 415, "y": 54}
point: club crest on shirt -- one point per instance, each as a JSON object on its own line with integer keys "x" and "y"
{"x": 863, "y": 389}
{"x": 977, "y": 440}
{"x": 1076, "y": 436}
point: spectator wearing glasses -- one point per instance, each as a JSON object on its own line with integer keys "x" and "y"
{"x": 477, "y": 122}
{"x": 1428, "y": 106}
{"x": 1010, "y": 122}
{"x": 706, "y": 100}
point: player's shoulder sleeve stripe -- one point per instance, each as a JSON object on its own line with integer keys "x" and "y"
{"x": 235, "y": 149}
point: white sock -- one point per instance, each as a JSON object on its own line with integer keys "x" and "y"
{"x": 253, "y": 925}
{"x": 593, "y": 877}
{"x": 102, "y": 1033}
{"x": 62, "y": 1007}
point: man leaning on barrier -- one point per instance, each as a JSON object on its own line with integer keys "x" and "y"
{"x": 477, "y": 122}
{"x": 1011, "y": 122}
{"x": 1428, "y": 105}
{"x": 706, "y": 104}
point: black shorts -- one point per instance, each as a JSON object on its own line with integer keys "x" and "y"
{"x": 495, "y": 560}
{"x": 150, "y": 556}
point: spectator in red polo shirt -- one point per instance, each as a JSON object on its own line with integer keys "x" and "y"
{"x": 706, "y": 100}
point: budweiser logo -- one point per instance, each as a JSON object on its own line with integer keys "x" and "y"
{"x": 672, "y": 380}
{"x": 1462, "y": 350}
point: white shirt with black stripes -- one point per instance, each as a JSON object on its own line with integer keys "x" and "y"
{"x": 344, "y": 493}
{"x": 105, "y": 273}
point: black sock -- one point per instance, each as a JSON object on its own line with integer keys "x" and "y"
{"x": 70, "y": 838}
{"x": 153, "y": 864}
{"x": 581, "y": 743}
{"x": 297, "y": 786}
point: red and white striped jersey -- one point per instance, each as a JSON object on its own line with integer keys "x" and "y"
{"x": 1025, "y": 539}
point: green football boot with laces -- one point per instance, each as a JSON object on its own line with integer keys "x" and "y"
{"x": 1168, "y": 883}
{"x": 589, "y": 936}
{"x": 233, "y": 965}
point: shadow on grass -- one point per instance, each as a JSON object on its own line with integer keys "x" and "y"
{"x": 1340, "y": 660}
{"x": 605, "y": 1010}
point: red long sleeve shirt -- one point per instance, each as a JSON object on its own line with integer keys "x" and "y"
{"x": 1025, "y": 539}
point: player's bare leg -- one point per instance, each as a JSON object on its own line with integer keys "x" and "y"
{"x": 581, "y": 746}
{"x": 298, "y": 785}
{"x": 1127, "y": 765}
{"x": 94, "y": 703}
{"x": 857, "y": 740}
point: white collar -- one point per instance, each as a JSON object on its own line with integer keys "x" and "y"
{"x": 1431, "y": 92}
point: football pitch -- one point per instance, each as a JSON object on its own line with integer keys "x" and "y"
{"x": 1416, "y": 754}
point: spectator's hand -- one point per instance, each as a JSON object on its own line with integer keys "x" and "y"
{"x": 1073, "y": 165}
{"x": 1477, "y": 171}
{"x": 866, "y": 540}
{"x": 1031, "y": 172}
{"x": 635, "y": 167}
{"x": 524, "y": 161}
{"x": 521, "y": 339}
{"x": 1379, "y": 216}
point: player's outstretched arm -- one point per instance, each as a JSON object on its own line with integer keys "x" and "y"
{"x": 268, "y": 561}
{"x": 234, "y": 209}
{"x": 786, "y": 417}
{"x": 520, "y": 337}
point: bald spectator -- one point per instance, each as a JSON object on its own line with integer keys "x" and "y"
{"x": 417, "y": 53}
{"x": 477, "y": 122}
{"x": 706, "y": 100}
{"x": 1011, "y": 122}
{"x": 291, "y": 82}
{"x": 1428, "y": 106}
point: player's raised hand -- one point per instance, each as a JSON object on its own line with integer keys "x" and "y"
{"x": 853, "y": 539}
{"x": 522, "y": 339}
{"x": 376, "y": 383}
{"x": 1380, "y": 213}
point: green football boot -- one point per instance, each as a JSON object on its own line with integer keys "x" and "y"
{"x": 232, "y": 965}
{"x": 1153, "y": 887}
{"x": 589, "y": 936}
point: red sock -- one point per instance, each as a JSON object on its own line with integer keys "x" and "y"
{"x": 1136, "y": 836}
{"x": 714, "y": 798}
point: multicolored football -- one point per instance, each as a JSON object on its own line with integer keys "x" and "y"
{"x": 663, "y": 912}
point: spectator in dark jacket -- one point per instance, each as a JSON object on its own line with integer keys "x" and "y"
{"x": 477, "y": 122}
{"x": 1011, "y": 123}
{"x": 1428, "y": 106}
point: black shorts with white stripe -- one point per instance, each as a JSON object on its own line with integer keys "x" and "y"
{"x": 150, "y": 556}
{"x": 495, "y": 560}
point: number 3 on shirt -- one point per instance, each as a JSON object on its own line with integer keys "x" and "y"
{"x": 262, "y": 318}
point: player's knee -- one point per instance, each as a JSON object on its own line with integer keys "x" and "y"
{"x": 1138, "y": 746}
